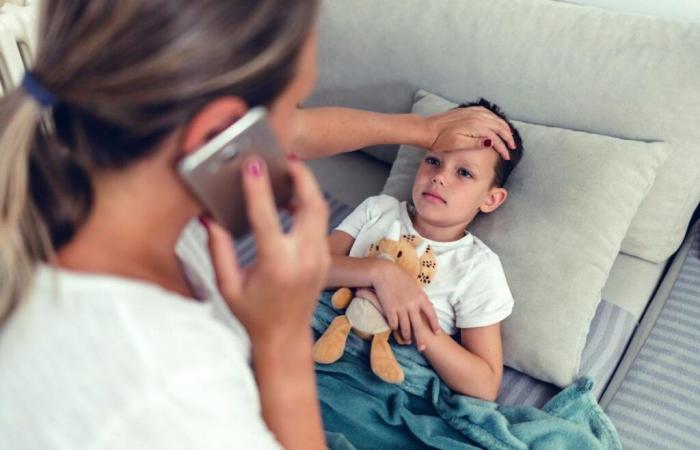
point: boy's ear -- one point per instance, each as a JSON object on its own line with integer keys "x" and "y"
{"x": 494, "y": 199}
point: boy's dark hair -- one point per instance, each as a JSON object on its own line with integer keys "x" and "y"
{"x": 503, "y": 167}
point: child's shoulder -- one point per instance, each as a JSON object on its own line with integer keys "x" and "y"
{"x": 379, "y": 204}
{"x": 481, "y": 254}
{"x": 385, "y": 200}
{"x": 482, "y": 266}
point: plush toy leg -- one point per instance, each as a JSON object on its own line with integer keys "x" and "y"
{"x": 341, "y": 298}
{"x": 330, "y": 347}
{"x": 384, "y": 364}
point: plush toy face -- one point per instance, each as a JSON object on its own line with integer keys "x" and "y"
{"x": 404, "y": 253}
{"x": 400, "y": 252}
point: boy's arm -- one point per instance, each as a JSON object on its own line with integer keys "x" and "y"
{"x": 475, "y": 367}
{"x": 349, "y": 271}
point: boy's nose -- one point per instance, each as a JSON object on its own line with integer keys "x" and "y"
{"x": 438, "y": 179}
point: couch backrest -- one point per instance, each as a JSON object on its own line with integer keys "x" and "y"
{"x": 551, "y": 63}
{"x": 679, "y": 10}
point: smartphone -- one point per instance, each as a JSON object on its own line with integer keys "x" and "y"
{"x": 213, "y": 172}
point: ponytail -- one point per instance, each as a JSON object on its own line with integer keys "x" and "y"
{"x": 24, "y": 239}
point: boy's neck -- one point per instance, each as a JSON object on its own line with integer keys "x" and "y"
{"x": 436, "y": 232}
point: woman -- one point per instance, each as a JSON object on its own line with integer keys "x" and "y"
{"x": 106, "y": 340}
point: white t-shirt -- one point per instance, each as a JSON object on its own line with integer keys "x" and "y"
{"x": 469, "y": 289}
{"x": 103, "y": 362}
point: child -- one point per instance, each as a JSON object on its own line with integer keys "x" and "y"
{"x": 469, "y": 292}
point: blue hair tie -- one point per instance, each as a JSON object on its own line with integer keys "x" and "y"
{"x": 37, "y": 90}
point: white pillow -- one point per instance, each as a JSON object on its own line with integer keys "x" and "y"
{"x": 571, "y": 200}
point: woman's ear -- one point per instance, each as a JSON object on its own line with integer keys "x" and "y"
{"x": 211, "y": 120}
{"x": 494, "y": 199}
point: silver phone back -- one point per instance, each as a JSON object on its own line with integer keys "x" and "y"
{"x": 213, "y": 172}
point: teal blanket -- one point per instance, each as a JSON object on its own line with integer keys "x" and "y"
{"x": 362, "y": 411}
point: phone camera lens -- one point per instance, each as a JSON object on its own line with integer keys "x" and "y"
{"x": 229, "y": 152}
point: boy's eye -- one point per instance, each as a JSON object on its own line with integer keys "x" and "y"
{"x": 433, "y": 161}
{"x": 463, "y": 173}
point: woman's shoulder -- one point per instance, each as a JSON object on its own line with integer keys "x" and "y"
{"x": 141, "y": 315}
{"x": 123, "y": 347}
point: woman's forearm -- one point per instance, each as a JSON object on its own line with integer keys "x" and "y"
{"x": 462, "y": 370}
{"x": 329, "y": 130}
{"x": 287, "y": 384}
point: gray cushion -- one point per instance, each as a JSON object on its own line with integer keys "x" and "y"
{"x": 546, "y": 62}
{"x": 571, "y": 200}
{"x": 610, "y": 331}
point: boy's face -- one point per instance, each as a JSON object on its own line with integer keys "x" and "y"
{"x": 450, "y": 188}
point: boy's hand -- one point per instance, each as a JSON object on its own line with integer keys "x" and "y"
{"x": 473, "y": 128}
{"x": 403, "y": 302}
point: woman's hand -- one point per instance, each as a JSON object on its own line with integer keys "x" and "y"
{"x": 403, "y": 302}
{"x": 474, "y": 127}
{"x": 275, "y": 297}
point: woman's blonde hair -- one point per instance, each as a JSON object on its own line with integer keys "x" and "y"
{"x": 125, "y": 74}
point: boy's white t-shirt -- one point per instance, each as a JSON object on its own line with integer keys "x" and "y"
{"x": 469, "y": 289}
{"x": 104, "y": 362}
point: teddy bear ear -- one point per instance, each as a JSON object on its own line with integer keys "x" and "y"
{"x": 394, "y": 233}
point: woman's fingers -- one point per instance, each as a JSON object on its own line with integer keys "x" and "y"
{"x": 472, "y": 128}
{"x": 260, "y": 206}
{"x": 493, "y": 122}
{"x": 497, "y": 144}
{"x": 498, "y": 125}
{"x": 310, "y": 223}
{"x": 482, "y": 138}
{"x": 506, "y": 136}
{"x": 223, "y": 254}
{"x": 311, "y": 210}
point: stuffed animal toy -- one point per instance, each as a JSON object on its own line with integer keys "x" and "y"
{"x": 364, "y": 318}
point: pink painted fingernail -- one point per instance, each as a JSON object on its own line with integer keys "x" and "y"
{"x": 421, "y": 348}
{"x": 254, "y": 168}
{"x": 292, "y": 157}
{"x": 487, "y": 143}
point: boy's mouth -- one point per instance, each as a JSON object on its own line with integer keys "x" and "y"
{"x": 434, "y": 196}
